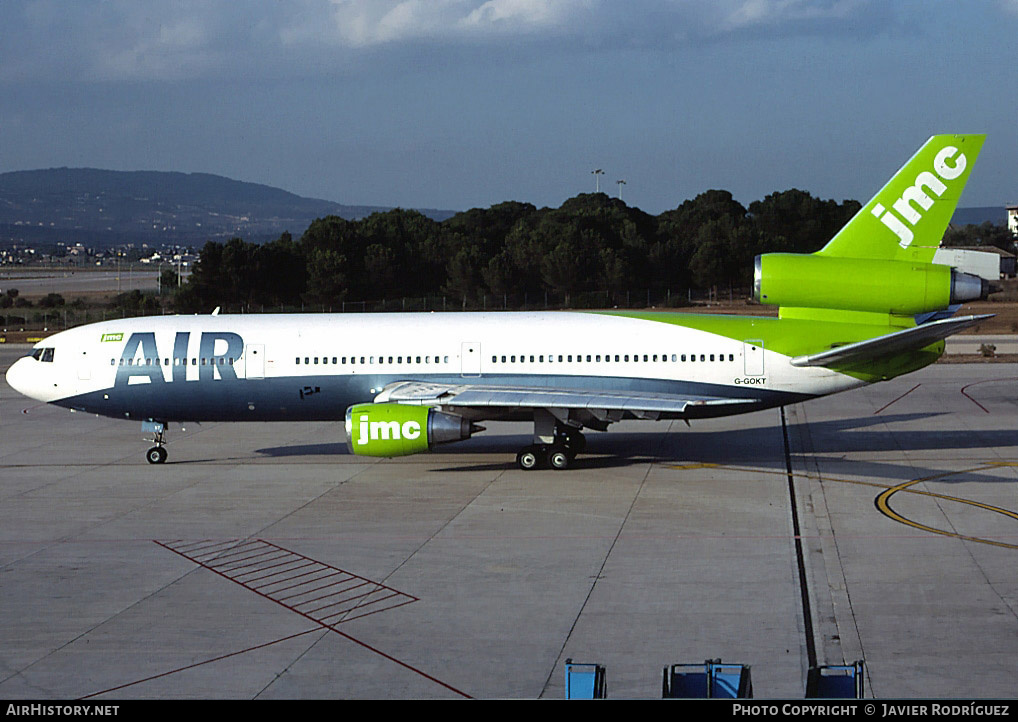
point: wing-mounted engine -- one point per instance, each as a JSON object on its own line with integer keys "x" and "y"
{"x": 399, "y": 430}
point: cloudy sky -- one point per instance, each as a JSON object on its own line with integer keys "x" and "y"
{"x": 460, "y": 103}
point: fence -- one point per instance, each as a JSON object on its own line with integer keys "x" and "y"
{"x": 55, "y": 319}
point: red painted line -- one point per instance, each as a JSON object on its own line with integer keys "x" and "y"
{"x": 333, "y": 628}
{"x": 376, "y": 611}
{"x": 310, "y": 591}
{"x": 298, "y": 584}
{"x": 237, "y": 563}
{"x": 265, "y": 568}
{"x": 198, "y": 664}
{"x": 310, "y": 563}
{"x": 218, "y": 556}
{"x": 333, "y": 593}
{"x": 897, "y": 399}
{"x": 202, "y": 547}
{"x": 984, "y": 381}
{"x": 224, "y": 545}
{"x": 227, "y": 556}
{"x": 361, "y": 606}
{"x": 341, "y": 601}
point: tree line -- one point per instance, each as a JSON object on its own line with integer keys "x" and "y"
{"x": 591, "y": 244}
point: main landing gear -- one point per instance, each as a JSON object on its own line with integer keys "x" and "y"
{"x": 157, "y": 454}
{"x": 558, "y": 455}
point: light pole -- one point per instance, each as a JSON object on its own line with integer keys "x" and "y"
{"x": 621, "y": 183}
{"x": 597, "y": 179}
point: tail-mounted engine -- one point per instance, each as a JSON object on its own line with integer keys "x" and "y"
{"x": 860, "y": 284}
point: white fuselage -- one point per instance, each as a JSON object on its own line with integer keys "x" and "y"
{"x": 262, "y": 367}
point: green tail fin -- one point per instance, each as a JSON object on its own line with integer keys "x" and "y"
{"x": 906, "y": 220}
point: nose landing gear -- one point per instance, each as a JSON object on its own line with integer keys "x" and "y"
{"x": 157, "y": 454}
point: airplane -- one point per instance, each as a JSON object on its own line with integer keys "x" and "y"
{"x": 869, "y": 306}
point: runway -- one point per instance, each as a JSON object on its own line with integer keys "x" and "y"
{"x": 262, "y": 561}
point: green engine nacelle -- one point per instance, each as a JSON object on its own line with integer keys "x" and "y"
{"x": 861, "y": 284}
{"x": 398, "y": 430}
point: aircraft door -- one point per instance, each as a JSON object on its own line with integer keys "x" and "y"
{"x": 753, "y": 356}
{"x": 84, "y": 367}
{"x": 254, "y": 361}
{"x": 470, "y": 358}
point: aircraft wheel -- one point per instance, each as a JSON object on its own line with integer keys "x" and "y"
{"x": 528, "y": 458}
{"x": 559, "y": 458}
{"x": 156, "y": 455}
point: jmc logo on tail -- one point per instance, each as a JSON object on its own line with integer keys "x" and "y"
{"x": 948, "y": 165}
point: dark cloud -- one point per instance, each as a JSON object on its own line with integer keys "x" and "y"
{"x": 131, "y": 40}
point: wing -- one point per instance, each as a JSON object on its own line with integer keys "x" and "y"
{"x": 908, "y": 340}
{"x": 596, "y": 406}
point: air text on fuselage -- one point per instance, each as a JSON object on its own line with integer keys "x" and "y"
{"x": 140, "y": 358}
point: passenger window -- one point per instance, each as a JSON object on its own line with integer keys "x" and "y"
{"x": 113, "y": 362}
{"x": 712, "y": 357}
{"x": 702, "y": 357}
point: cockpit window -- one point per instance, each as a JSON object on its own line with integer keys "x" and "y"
{"x": 43, "y": 354}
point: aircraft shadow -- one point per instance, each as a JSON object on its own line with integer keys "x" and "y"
{"x": 755, "y": 445}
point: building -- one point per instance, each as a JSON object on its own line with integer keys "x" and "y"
{"x": 1012, "y": 220}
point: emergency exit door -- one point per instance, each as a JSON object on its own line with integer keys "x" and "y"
{"x": 470, "y": 358}
{"x": 753, "y": 356}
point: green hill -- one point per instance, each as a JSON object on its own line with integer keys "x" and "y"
{"x": 104, "y": 207}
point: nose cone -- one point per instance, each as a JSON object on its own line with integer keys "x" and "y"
{"x": 22, "y": 377}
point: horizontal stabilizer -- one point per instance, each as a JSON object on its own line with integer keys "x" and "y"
{"x": 908, "y": 340}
